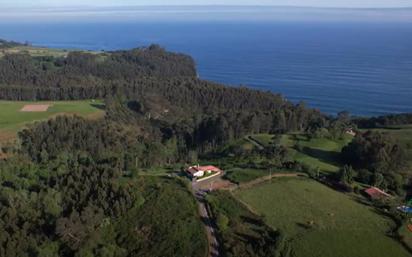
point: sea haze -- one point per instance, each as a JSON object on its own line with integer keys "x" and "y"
{"x": 361, "y": 67}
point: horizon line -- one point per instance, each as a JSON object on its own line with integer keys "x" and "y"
{"x": 210, "y": 5}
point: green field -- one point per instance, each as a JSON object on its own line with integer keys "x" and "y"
{"x": 318, "y": 152}
{"x": 38, "y": 51}
{"x": 239, "y": 175}
{"x": 12, "y": 119}
{"x": 264, "y": 139}
{"x": 319, "y": 221}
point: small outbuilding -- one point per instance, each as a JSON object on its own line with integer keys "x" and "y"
{"x": 350, "y": 131}
{"x": 375, "y": 193}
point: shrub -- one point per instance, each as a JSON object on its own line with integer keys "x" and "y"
{"x": 222, "y": 222}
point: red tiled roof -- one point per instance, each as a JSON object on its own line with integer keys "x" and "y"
{"x": 195, "y": 169}
{"x": 375, "y": 192}
{"x": 209, "y": 167}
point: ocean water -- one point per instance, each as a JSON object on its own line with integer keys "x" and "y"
{"x": 363, "y": 68}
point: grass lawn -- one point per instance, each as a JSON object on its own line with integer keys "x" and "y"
{"x": 13, "y": 120}
{"x": 244, "y": 175}
{"x": 317, "y": 152}
{"x": 320, "y": 221}
{"x": 239, "y": 175}
{"x": 406, "y": 235}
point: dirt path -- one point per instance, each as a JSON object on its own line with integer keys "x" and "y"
{"x": 267, "y": 178}
{"x": 255, "y": 142}
{"x": 210, "y": 226}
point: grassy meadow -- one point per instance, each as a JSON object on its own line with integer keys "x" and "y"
{"x": 38, "y": 51}
{"x": 12, "y": 119}
{"x": 264, "y": 139}
{"x": 319, "y": 153}
{"x": 319, "y": 221}
{"x": 239, "y": 175}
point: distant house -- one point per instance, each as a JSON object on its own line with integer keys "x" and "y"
{"x": 350, "y": 131}
{"x": 200, "y": 171}
{"x": 375, "y": 193}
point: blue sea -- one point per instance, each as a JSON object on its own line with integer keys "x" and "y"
{"x": 364, "y": 68}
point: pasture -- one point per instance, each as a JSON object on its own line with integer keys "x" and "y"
{"x": 319, "y": 221}
{"x": 13, "y": 117}
{"x": 239, "y": 175}
{"x": 319, "y": 153}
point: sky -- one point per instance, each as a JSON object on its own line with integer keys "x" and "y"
{"x": 205, "y": 10}
{"x": 312, "y": 3}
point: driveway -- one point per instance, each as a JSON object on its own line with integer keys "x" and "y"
{"x": 209, "y": 224}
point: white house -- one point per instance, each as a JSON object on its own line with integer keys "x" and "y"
{"x": 200, "y": 171}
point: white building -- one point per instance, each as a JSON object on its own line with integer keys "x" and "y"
{"x": 200, "y": 171}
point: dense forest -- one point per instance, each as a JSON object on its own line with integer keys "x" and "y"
{"x": 152, "y": 99}
{"x": 81, "y": 75}
{"x": 76, "y": 207}
{"x": 378, "y": 159}
{"x": 4, "y": 44}
{"x": 384, "y": 121}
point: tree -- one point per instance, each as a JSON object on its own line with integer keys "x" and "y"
{"x": 346, "y": 175}
{"x": 377, "y": 179}
{"x": 222, "y": 222}
{"x": 378, "y": 157}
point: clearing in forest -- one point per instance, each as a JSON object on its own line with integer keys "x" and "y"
{"x": 319, "y": 153}
{"x": 15, "y": 115}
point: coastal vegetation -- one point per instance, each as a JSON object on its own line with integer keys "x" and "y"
{"x": 104, "y": 177}
{"x": 75, "y": 207}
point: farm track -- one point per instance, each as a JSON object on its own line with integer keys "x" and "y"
{"x": 210, "y": 226}
{"x": 255, "y": 143}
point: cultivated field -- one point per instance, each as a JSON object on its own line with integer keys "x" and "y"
{"x": 319, "y": 221}
{"x": 14, "y": 115}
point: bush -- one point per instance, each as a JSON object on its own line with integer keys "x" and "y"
{"x": 222, "y": 222}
